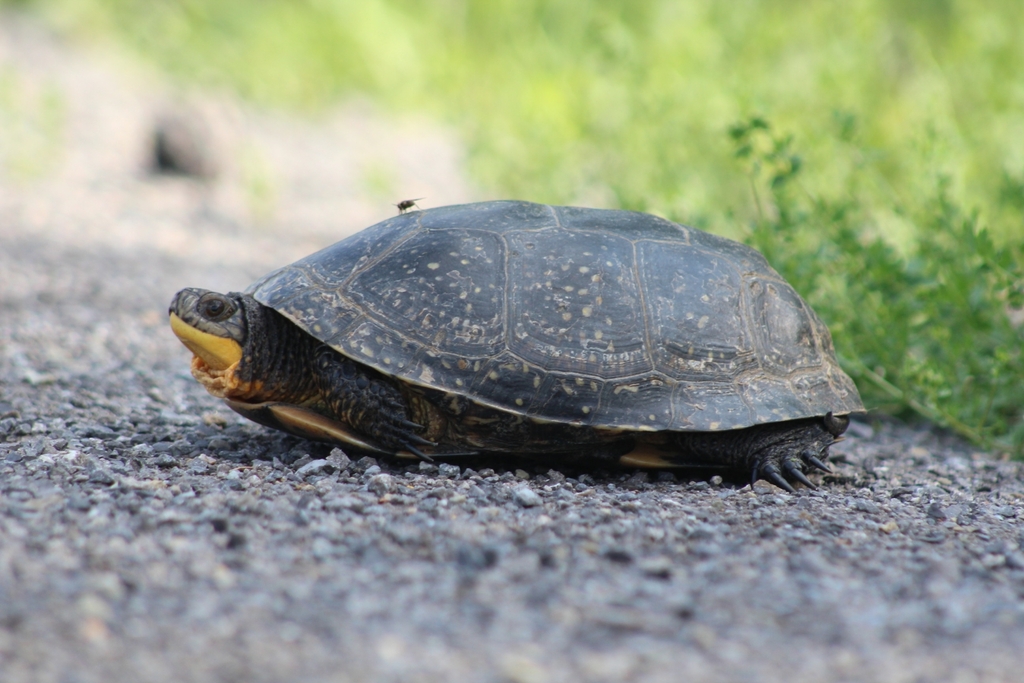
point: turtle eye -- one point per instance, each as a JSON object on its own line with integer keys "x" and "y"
{"x": 215, "y": 308}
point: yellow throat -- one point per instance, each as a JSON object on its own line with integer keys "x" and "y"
{"x": 217, "y": 352}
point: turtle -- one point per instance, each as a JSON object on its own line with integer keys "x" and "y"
{"x": 509, "y": 328}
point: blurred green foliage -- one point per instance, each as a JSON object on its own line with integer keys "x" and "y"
{"x": 908, "y": 116}
{"x": 929, "y": 330}
{"x": 32, "y": 118}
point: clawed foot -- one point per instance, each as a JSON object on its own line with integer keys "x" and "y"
{"x": 413, "y": 437}
{"x": 400, "y": 434}
{"x": 789, "y": 470}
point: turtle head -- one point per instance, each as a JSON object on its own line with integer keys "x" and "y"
{"x": 215, "y": 328}
{"x": 211, "y": 325}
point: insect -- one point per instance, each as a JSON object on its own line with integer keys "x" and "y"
{"x": 407, "y": 204}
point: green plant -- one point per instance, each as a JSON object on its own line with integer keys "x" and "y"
{"x": 930, "y": 329}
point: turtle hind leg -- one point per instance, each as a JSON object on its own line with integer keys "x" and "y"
{"x": 780, "y": 453}
{"x": 368, "y": 402}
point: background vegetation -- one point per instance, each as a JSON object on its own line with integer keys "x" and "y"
{"x": 873, "y": 149}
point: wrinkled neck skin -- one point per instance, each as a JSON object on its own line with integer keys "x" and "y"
{"x": 276, "y": 363}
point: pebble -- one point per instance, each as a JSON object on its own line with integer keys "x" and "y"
{"x": 448, "y": 471}
{"x": 315, "y": 467}
{"x": 381, "y": 484}
{"x": 863, "y": 505}
{"x": 526, "y": 497}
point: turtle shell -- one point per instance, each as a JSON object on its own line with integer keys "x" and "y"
{"x": 611, "y": 319}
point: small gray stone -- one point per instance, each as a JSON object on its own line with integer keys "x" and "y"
{"x": 219, "y": 443}
{"x": 864, "y": 505}
{"x": 79, "y": 502}
{"x": 315, "y": 467}
{"x": 556, "y": 476}
{"x": 449, "y": 471}
{"x": 101, "y": 477}
{"x": 936, "y": 511}
{"x": 364, "y": 463}
{"x": 1005, "y": 511}
{"x": 526, "y": 497}
{"x": 164, "y": 460}
{"x": 1015, "y": 560}
{"x": 352, "y": 503}
{"x": 339, "y": 459}
{"x": 381, "y": 484}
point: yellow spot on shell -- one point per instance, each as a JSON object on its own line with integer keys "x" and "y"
{"x": 586, "y": 410}
{"x": 492, "y": 374}
{"x": 567, "y": 316}
{"x": 714, "y": 425}
{"x": 433, "y": 266}
{"x": 702, "y": 322}
{"x": 584, "y": 270}
{"x": 519, "y": 401}
{"x": 587, "y": 311}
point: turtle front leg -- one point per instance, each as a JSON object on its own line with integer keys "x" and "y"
{"x": 368, "y": 402}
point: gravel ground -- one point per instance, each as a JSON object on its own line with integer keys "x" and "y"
{"x": 149, "y": 534}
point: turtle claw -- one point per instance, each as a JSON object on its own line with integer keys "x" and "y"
{"x": 772, "y": 474}
{"x": 417, "y": 452}
{"x": 811, "y": 460}
{"x": 416, "y": 438}
{"x": 793, "y": 471}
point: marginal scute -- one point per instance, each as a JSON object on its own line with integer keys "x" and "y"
{"x": 543, "y": 311}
